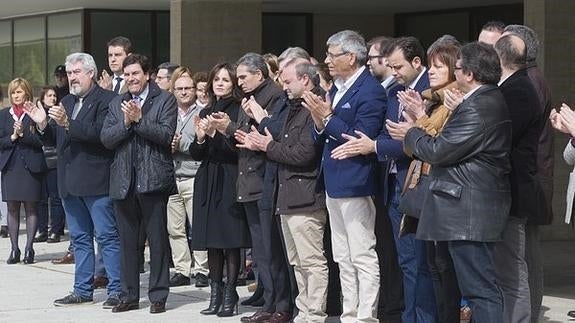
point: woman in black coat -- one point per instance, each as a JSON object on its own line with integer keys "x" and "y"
{"x": 22, "y": 164}
{"x": 219, "y": 223}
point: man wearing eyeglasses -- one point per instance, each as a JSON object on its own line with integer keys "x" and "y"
{"x": 180, "y": 205}
{"x": 358, "y": 103}
{"x": 164, "y": 75}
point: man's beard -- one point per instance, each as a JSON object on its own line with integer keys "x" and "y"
{"x": 75, "y": 89}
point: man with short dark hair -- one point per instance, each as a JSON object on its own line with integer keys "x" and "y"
{"x": 490, "y": 32}
{"x": 61, "y": 80}
{"x": 140, "y": 127}
{"x": 469, "y": 196}
{"x": 164, "y": 75}
{"x": 118, "y": 49}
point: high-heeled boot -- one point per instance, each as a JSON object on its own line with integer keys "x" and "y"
{"x": 230, "y": 305}
{"x": 216, "y": 297}
{"x": 29, "y": 256}
{"x": 14, "y": 257}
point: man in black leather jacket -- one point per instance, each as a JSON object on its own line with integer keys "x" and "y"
{"x": 469, "y": 197}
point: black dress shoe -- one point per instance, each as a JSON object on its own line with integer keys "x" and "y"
{"x": 3, "y": 231}
{"x": 201, "y": 280}
{"x": 53, "y": 238}
{"x": 14, "y": 257}
{"x": 41, "y": 237}
{"x": 571, "y": 314}
{"x": 258, "y": 302}
{"x": 158, "y": 307}
{"x": 29, "y": 256}
{"x": 125, "y": 306}
{"x": 179, "y": 280}
{"x": 258, "y": 293}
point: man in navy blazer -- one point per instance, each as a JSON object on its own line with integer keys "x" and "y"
{"x": 406, "y": 59}
{"x": 358, "y": 103}
{"x": 83, "y": 176}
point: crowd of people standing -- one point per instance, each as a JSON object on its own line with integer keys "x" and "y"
{"x": 275, "y": 154}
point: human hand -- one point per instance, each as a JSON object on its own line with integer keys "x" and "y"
{"x": 355, "y": 146}
{"x": 58, "y": 114}
{"x": 397, "y": 130}
{"x": 412, "y": 103}
{"x": 105, "y": 80}
{"x": 452, "y": 98}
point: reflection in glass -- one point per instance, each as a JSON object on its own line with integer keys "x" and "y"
{"x": 64, "y": 38}
{"x": 5, "y": 55}
{"x": 30, "y": 50}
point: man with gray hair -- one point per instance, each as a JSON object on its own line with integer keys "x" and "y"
{"x": 545, "y": 162}
{"x": 358, "y": 103}
{"x": 75, "y": 127}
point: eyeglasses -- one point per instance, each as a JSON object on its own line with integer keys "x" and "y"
{"x": 332, "y": 56}
{"x": 185, "y": 88}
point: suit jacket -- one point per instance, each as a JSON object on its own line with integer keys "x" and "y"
{"x": 545, "y": 150}
{"x": 29, "y": 145}
{"x": 143, "y": 153}
{"x": 528, "y": 122}
{"x": 389, "y": 149}
{"x": 361, "y": 108}
{"x": 83, "y": 161}
{"x": 469, "y": 195}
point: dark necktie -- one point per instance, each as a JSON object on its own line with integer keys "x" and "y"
{"x": 118, "y": 83}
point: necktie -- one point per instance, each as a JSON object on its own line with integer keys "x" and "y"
{"x": 77, "y": 108}
{"x": 118, "y": 83}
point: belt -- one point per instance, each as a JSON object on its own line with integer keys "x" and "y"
{"x": 182, "y": 178}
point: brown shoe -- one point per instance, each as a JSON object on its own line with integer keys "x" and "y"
{"x": 66, "y": 260}
{"x": 259, "y": 316}
{"x": 100, "y": 282}
{"x": 158, "y": 307}
{"x": 280, "y": 317}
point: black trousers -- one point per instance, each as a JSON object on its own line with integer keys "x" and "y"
{"x": 150, "y": 211}
{"x": 268, "y": 254}
{"x": 391, "y": 303}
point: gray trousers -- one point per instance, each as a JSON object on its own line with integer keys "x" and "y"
{"x": 512, "y": 274}
{"x": 535, "y": 268}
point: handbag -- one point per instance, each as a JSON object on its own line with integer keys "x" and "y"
{"x": 412, "y": 196}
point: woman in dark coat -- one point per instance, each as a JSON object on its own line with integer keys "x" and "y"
{"x": 22, "y": 164}
{"x": 219, "y": 223}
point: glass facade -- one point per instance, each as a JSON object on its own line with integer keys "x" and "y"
{"x": 5, "y": 56}
{"x": 30, "y": 50}
{"x": 64, "y": 37}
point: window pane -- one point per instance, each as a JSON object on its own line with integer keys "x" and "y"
{"x": 30, "y": 50}
{"x": 64, "y": 38}
{"x": 163, "y": 37}
{"x": 5, "y": 56}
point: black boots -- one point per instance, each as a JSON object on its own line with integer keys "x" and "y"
{"x": 216, "y": 297}
{"x": 14, "y": 257}
{"x": 230, "y": 305}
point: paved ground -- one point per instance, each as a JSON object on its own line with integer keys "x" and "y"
{"x": 27, "y": 291}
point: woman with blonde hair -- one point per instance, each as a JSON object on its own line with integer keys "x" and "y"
{"x": 22, "y": 164}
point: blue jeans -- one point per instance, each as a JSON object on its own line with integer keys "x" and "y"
{"x": 89, "y": 217}
{"x": 475, "y": 271}
{"x": 418, "y": 291}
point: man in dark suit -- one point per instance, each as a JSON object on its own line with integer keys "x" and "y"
{"x": 406, "y": 58}
{"x": 358, "y": 103}
{"x": 75, "y": 128}
{"x": 526, "y": 192}
{"x": 140, "y": 127}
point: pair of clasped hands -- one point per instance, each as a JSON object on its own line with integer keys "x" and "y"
{"x": 414, "y": 107}
{"x": 563, "y": 119}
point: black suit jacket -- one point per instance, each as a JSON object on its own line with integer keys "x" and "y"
{"x": 83, "y": 161}
{"x": 29, "y": 145}
{"x": 527, "y": 120}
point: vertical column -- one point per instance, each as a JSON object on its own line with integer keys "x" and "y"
{"x": 552, "y": 20}
{"x": 205, "y": 32}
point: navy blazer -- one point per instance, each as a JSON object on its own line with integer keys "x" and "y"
{"x": 389, "y": 149}
{"x": 361, "y": 108}
{"x": 83, "y": 161}
{"x": 29, "y": 145}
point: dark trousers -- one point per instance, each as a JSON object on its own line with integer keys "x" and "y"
{"x": 447, "y": 294}
{"x": 391, "y": 302}
{"x": 50, "y": 207}
{"x": 148, "y": 210}
{"x": 267, "y": 253}
{"x": 475, "y": 270}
